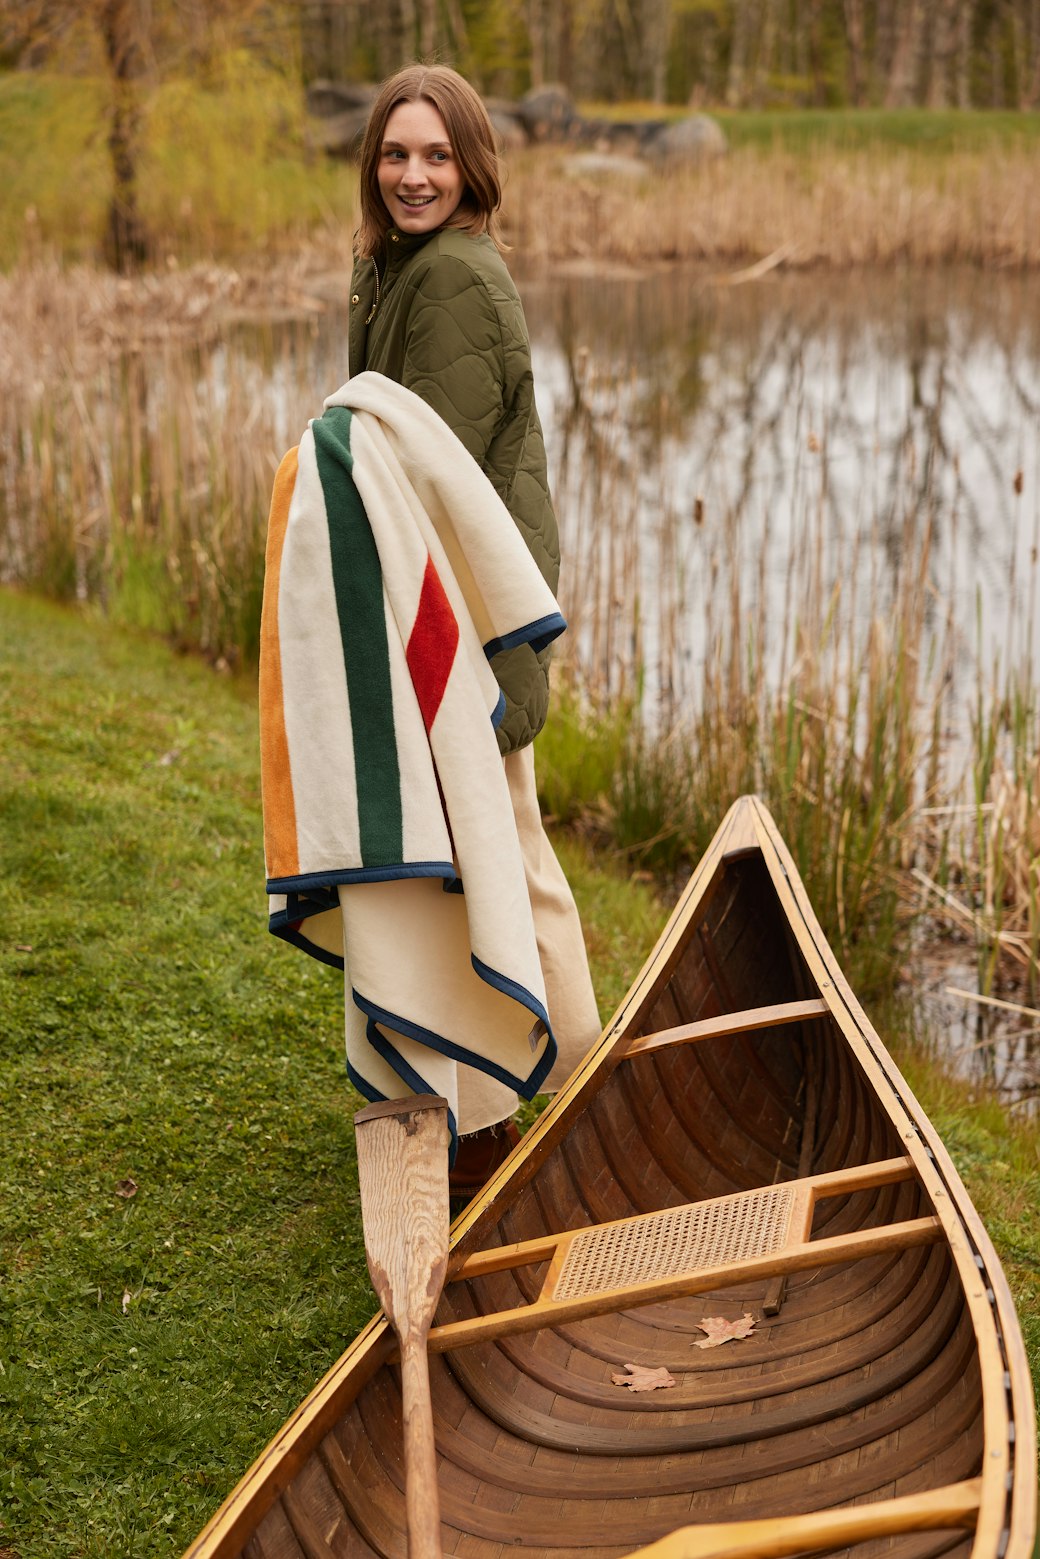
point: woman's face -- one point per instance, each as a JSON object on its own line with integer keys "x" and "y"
{"x": 419, "y": 178}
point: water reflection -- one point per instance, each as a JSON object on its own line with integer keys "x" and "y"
{"x": 865, "y": 417}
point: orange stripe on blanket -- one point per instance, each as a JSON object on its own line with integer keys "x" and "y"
{"x": 280, "y": 842}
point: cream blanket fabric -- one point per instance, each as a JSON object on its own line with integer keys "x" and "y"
{"x": 393, "y": 573}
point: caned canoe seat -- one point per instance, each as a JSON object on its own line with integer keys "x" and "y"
{"x": 683, "y": 1250}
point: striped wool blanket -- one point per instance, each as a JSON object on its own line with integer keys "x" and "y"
{"x": 393, "y": 573}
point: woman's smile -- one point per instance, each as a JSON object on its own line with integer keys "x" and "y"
{"x": 419, "y": 178}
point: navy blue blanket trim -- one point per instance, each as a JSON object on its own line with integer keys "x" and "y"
{"x": 292, "y": 934}
{"x": 415, "y": 1080}
{"x": 538, "y": 635}
{"x": 527, "y": 1087}
{"x": 307, "y": 882}
{"x": 519, "y": 993}
{"x": 498, "y": 714}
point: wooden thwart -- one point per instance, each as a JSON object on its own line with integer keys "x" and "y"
{"x": 724, "y": 1025}
{"x": 683, "y": 1250}
{"x": 956, "y": 1505}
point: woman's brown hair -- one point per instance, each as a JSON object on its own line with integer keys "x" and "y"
{"x": 472, "y": 140}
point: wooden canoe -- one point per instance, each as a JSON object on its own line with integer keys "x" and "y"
{"x": 738, "y": 1144}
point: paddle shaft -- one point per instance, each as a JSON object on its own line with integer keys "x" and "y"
{"x": 422, "y": 1504}
{"x": 402, "y": 1149}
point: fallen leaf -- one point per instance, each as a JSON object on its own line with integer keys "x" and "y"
{"x": 720, "y": 1330}
{"x": 23, "y": 947}
{"x": 126, "y": 1188}
{"x": 640, "y": 1378}
{"x": 126, "y": 1300}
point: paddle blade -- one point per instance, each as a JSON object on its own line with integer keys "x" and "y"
{"x": 402, "y": 1153}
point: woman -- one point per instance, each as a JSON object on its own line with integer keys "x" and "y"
{"x": 434, "y": 308}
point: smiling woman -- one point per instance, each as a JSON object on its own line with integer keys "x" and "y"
{"x": 434, "y": 309}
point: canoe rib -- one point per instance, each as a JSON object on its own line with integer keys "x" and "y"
{"x": 576, "y": 1284}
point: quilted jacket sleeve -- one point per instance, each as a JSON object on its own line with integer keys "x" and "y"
{"x": 454, "y": 354}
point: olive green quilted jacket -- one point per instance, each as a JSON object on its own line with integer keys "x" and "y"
{"x": 443, "y": 318}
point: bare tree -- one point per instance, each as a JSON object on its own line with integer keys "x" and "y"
{"x": 740, "y": 38}
{"x": 965, "y": 23}
{"x": 121, "y": 26}
{"x": 942, "y": 25}
{"x": 855, "y": 39}
{"x": 903, "y": 69}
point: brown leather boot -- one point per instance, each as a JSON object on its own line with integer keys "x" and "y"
{"x": 479, "y": 1155}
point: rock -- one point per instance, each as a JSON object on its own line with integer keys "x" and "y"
{"x": 604, "y": 165}
{"x": 547, "y": 114}
{"x": 693, "y": 139}
{"x": 510, "y": 134}
{"x": 339, "y": 135}
{"x": 326, "y": 98}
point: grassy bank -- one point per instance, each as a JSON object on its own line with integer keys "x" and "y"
{"x": 155, "y": 1033}
{"x": 841, "y": 188}
{"x": 180, "y": 1247}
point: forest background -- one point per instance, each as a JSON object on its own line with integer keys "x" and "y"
{"x": 732, "y": 53}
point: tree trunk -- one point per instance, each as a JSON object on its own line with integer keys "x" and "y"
{"x": 902, "y": 75}
{"x": 427, "y": 28}
{"x": 965, "y": 21}
{"x": 941, "y": 54}
{"x": 1033, "y": 91}
{"x": 738, "y": 54}
{"x": 656, "y": 16}
{"x": 855, "y": 40}
{"x": 764, "y": 57}
{"x": 536, "y": 35}
{"x": 125, "y": 243}
{"x": 457, "y": 28}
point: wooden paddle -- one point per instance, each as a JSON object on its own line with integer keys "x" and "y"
{"x": 402, "y": 1154}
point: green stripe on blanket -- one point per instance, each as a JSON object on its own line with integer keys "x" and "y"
{"x": 358, "y": 583}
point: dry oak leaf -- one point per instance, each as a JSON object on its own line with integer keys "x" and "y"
{"x": 720, "y": 1330}
{"x": 640, "y": 1378}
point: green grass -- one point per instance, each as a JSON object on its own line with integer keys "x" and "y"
{"x": 938, "y": 131}
{"x": 153, "y": 1030}
{"x": 942, "y": 131}
{"x": 151, "y": 1345}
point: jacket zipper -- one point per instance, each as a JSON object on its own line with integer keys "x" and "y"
{"x": 372, "y": 310}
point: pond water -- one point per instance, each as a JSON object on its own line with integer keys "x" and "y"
{"x": 731, "y": 460}
{"x": 744, "y": 430}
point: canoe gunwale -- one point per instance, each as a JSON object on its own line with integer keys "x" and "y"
{"x": 1006, "y": 1491}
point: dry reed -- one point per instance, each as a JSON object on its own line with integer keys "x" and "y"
{"x": 821, "y": 208}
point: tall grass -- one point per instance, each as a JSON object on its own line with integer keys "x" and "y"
{"x": 873, "y": 205}
{"x": 143, "y": 481}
